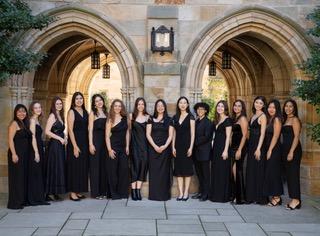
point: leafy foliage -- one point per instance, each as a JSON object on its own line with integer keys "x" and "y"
{"x": 16, "y": 17}
{"x": 309, "y": 90}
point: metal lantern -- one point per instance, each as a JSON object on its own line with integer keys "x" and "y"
{"x": 106, "y": 69}
{"x": 226, "y": 60}
{"x": 95, "y": 58}
{"x": 212, "y": 68}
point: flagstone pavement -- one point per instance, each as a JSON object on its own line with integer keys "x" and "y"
{"x": 127, "y": 217}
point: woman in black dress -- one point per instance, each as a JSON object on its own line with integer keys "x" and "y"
{"x": 273, "y": 183}
{"x": 238, "y": 149}
{"x": 118, "y": 139}
{"x": 19, "y": 140}
{"x": 182, "y": 145}
{"x": 56, "y": 153}
{"x": 292, "y": 152}
{"x": 139, "y": 148}
{"x": 36, "y": 194}
{"x": 202, "y": 150}
{"x": 221, "y": 164}
{"x": 77, "y": 148}
{"x": 98, "y": 147}
{"x": 256, "y": 159}
{"x": 159, "y": 135}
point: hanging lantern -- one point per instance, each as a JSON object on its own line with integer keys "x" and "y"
{"x": 226, "y": 60}
{"x": 212, "y": 68}
{"x": 95, "y": 58}
{"x": 106, "y": 69}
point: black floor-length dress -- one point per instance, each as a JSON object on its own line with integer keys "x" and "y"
{"x": 255, "y": 169}
{"x": 160, "y": 169}
{"x": 77, "y": 167}
{"x": 292, "y": 168}
{"x": 272, "y": 181}
{"x": 56, "y": 160}
{"x": 139, "y": 152}
{"x": 220, "y": 169}
{"x": 17, "y": 172}
{"x": 118, "y": 168}
{"x": 35, "y": 178}
{"x": 239, "y": 187}
{"x": 98, "y": 161}
{"x": 183, "y": 165}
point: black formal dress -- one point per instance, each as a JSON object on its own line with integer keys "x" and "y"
{"x": 139, "y": 152}
{"x": 255, "y": 169}
{"x": 35, "y": 178}
{"x": 272, "y": 181}
{"x": 160, "y": 169}
{"x": 202, "y": 153}
{"x": 77, "y": 167}
{"x": 220, "y": 169}
{"x": 183, "y": 165}
{"x": 292, "y": 167}
{"x": 238, "y": 185}
{"x": 17, "y": 172}
{"x": 98, "y": 161}
{"x": 118, "y": 168}
{"x": 56, "y": 159}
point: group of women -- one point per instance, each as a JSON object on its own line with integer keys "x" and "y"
{"x": 115, "y": 148}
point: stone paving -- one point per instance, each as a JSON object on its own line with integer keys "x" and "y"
{"x": 127, "y": 217}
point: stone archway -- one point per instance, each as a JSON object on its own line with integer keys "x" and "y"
{"x": 75, "y": 27}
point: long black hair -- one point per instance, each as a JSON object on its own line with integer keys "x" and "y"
{"x": 243, "y": 110}
{"x": 264, "y": 100}
{"x": 24, "y": 124}
{"x": 295, "y": 109}
{"x": 73, "y": 100}
{"x": 178, "y": 111}
{"x": 278, "y": 111}
{"x": 93, "y": 105}
{"x": 135, "y": 111}
{"x": 155, "y": 113}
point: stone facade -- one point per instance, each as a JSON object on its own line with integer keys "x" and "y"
{"x": 267, "y": 40}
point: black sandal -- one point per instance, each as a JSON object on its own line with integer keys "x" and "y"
{"x": 288, "y": 207}
{"x": 278, "y": 203}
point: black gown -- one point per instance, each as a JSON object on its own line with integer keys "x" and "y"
{"x": 272, "y": 181}
{"x": 77, "y": 167}
{"x": 35, "y": 177}
{"x": 160, "y": 169}
{"x": 139, "y": 152}
{"x": 238, "y": 185}
{"x": 255, "y": 169}
{"x": 183, "y": 165}
{"x": 118, "y": 168}
{"x": 98, "y": 161}
{"x": 56, "y": 159}
{"x": 17, "y": 172}
{"x": 220, "y": 169}
{"x": 292, "y": 167}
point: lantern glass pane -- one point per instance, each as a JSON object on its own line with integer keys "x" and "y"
{"x": 95, "y": 60}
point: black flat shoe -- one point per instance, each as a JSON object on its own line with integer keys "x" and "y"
{"x": 196, "y": 196}
{"x": 57, "y": 197}
{"x": 48, "y": 199}
{"x": 179, "y": 198}
{"x": 203, "y": 198}
{"x": 288, "y": 207}
{"x": 185, "y": 199}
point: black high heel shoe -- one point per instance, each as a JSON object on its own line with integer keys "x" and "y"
{"x": 179, "y": 198}
{"x": 134, "y": 196}
{"x": 288, "y": 207}
{"x": 139, "y": 197}
{"x": 185, "y": 199}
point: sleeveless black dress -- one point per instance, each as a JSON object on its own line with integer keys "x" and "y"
{"x": 292, "y": 167}
{"x": 118, "y": 168}
{"x": 98, "y": 161}
{"x": 56, "y": 159}
{"x": 17, "y": 172}
{"x": 220, "y": 169}
{"x": 160, "y": 169}
{"x": 272, "y": 183}
{"x": 255, "y": 169}
{"x": 35, "y": 177}
{"x": 139, "y": 152}
{"x": 183, "y": 165}
{"x": 239, "y": 187}
{"x": 77, "y": 168}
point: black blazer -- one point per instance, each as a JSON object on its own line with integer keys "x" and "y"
{"x": 203, "y": 140}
